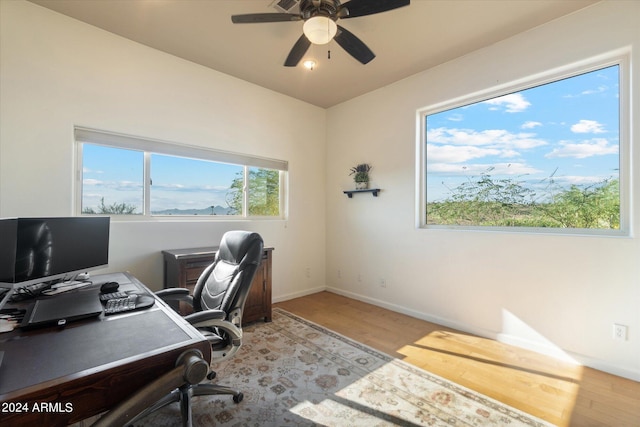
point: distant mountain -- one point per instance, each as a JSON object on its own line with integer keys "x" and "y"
{"x": 217, "y": 210}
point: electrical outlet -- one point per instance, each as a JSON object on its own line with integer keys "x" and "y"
{"x": 383, "y": 283}
{"x": 307, "y": 272}
{"x": 359, "y": 277}
{"x": 339, "y": 274}
{"x": 619, "y": 332}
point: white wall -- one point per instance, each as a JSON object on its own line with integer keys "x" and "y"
{"x": 57, "y": 72}
{"x": 538, "y": 291}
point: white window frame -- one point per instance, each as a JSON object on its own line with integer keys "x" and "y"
{"x": 151, "y": 146}
{"x": 619, "y": 57}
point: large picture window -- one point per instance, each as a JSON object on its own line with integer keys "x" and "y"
{"x": 123, "y": 175}
{"x": 547, "y": 157}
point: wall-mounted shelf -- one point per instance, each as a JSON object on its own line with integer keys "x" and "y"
{"x": 373, "y": 191}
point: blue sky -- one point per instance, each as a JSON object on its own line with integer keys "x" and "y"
{"x": 190, "y": 183}
{"x": 569, "y": 126}
{"x": 111, "y": 173}
{"x": 117, "y": 175}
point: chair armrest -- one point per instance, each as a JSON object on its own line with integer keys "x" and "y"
{"x": 198, "y": 319}
{"x": 171, "y": 292}
{"x": 175, "y": 294}
{"x": 216, "y": 319}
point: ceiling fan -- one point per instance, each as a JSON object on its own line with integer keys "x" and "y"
{"x": 320, "y": 26}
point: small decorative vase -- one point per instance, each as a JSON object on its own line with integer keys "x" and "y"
{"x": 362, "y": 185}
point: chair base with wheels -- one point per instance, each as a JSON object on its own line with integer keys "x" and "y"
{"x": 183, "y": 395}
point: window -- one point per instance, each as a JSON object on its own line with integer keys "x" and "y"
{"x": 123, "y": 175}
{"x": 183, "y": 186}
{"x": 264, "y": 192}
{"x": 112, "y": 180}
{"x": 544, "y": 157}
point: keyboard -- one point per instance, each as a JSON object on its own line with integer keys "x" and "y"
{"x": 113, "y": 295}
{"x": 119, "y": 302}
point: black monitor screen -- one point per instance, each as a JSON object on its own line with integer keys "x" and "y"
{"x": 8, "y": 230}
{"x": 42, "y": 249}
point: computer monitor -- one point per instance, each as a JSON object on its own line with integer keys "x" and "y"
{"x": 42, "y": 250}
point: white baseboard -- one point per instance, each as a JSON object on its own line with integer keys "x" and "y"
{"x": 299, "y": 294}
{"x": 413, "y": 313}
{"x": 538, "y": 347}
{"x": 568, "y": 356}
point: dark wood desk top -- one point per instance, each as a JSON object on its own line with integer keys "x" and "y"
{"x": 89, "y": 366}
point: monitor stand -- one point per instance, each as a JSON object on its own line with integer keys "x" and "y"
{"x": 6, "y": 297}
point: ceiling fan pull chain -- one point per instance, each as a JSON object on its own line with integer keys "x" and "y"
{"x": 328, "y": 53}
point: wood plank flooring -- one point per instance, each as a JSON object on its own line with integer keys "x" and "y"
{"x": 556, "y": 391}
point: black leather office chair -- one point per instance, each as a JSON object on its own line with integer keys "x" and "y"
{"x": 218, "y": 303}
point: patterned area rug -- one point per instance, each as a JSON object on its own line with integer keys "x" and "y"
{"x": 295, "y": 373}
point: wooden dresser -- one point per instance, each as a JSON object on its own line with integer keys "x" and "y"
{"x": 182, "y": 267}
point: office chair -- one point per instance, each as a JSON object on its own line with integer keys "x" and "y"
{"x": 218, "y": 302}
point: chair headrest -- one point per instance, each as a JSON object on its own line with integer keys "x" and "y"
{"x": 235, "y": 245}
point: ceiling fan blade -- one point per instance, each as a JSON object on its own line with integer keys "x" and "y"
{"x": 356, "y": 8}
{"x": 298, "y": 51}
{"x": 353, "y": 45}
{"x": 257, "y": 18}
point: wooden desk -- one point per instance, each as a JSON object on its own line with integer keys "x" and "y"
{"x": 182, "y": 267}
{"x": 55, "y": 377}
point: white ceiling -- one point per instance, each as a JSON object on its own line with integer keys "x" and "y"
{"x": 406, "y": 40}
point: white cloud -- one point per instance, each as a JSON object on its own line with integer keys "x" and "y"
{"x": 190, "y": 188}
{"x": 584, "y": 149}
{"x": 168, "y": 187}
{"x": 95, "y": 196}
{"x": 499, "y": 139}
{"x": 588, "y": 126}
{"x": 514, "y": 103}
{"x": 457, "y": 154}
{"x": 87, "y": 170}
{"x": 127, "y": 185}
{"x": 530, "y": 125}
{"x": 477, "y": 169}
{"x": 599, "y": 89}
{"x": 509, "y": 153}
{"x": 114, "y": 185}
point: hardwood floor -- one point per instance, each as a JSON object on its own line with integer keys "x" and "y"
{"x": 556, "y": 391}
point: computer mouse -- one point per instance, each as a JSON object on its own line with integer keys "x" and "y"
{"x": 109, "y": 287}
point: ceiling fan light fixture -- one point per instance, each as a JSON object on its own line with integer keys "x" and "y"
{"x": 309, "y": 64}
{"x": 319, "y": 29}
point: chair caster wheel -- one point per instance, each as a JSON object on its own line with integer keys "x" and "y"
{"x": 211, "y": 375}
{"x": 238, "y": 398}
